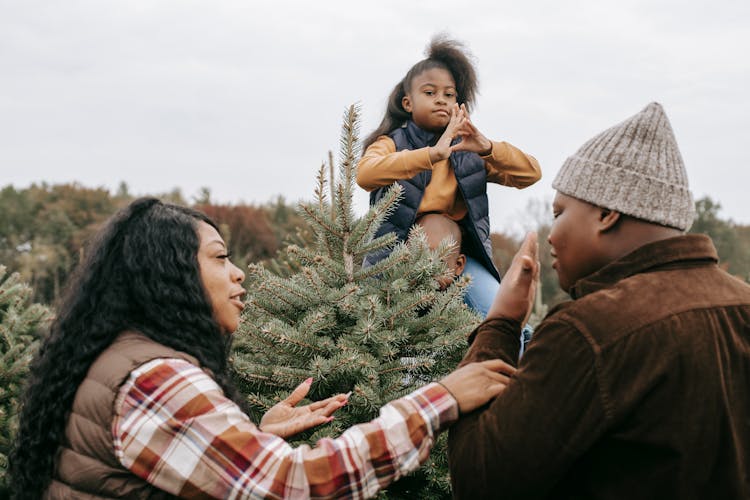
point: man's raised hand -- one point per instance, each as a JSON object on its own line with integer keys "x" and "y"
{"x": 515, "y": 298}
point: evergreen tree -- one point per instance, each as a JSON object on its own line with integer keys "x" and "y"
{"x": 379, "y": 331}
{"x": 20, "y": 327}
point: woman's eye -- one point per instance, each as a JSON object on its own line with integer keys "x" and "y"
{"x": 223, "y": 256}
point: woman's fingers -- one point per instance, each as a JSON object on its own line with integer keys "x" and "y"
{"x": 336, "y": 402}
{"x": 498, "y": 377}
{"x": 496, "y": 389}
{"x": 476, "y": 383}
{"x": 299, "y": 393}
{"x": 498, "y": 366}
{"x": 316, "y": 420}
{"x": 331, "y": 407}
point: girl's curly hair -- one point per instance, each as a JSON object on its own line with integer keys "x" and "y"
{"x": 443, "y": 53}
{"x": 139, "y": 273}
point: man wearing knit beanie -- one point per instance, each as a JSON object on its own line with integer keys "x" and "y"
{"x": 638, "y": 387}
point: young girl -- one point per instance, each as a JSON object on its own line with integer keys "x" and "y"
{"x": 428, "y": 144}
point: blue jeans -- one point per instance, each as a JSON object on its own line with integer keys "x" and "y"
{"x": 482, "y": 289}
{"x": 526, "y": 334}
{"x": 481, "y": 293}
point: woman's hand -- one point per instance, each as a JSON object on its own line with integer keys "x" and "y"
{"x": 475, "y": 384}
{"x": 471, "y": 138}
{"x": 442, "y": 149}
{"x": 285, "y": 419}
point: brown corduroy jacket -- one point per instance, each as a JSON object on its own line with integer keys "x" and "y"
{"x": 637, "y": 388}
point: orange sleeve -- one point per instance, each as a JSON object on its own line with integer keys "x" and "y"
{"x": 382, "y": 165}
{"x": 509, "y": 166}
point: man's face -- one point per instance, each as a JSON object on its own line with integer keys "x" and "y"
{"x": 455, "y": 260}
{"x": 575, "y": 239}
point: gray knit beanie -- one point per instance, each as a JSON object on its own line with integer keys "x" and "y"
{"x": 634, "y": 168}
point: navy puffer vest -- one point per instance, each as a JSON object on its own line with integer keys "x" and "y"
{"x": 472, "y": 183}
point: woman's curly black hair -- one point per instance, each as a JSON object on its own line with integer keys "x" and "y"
{"x": 442, "y": 53}
{"x": 139, "y": 273}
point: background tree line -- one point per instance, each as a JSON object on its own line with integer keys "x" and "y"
{"x": 43, "y": 229}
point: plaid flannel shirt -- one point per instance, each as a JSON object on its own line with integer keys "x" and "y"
{"x": 175, "y": 429}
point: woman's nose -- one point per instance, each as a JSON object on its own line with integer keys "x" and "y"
{"x": 239, "y": 275}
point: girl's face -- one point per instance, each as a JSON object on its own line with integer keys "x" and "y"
{"x": 431, "y": 96}
{"x": 221, "y": 279}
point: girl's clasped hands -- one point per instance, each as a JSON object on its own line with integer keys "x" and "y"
{"x": 460, "y": 125}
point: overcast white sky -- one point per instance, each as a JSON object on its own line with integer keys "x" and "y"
{"x": 246, "y": 97}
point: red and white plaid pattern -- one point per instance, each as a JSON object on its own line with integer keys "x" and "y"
{"x": 176, "y": 429}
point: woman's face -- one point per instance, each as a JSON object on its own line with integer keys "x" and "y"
{"x": 221, "y": 279}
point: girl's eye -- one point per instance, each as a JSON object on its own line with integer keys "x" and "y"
{"x": 223, "y": 256}
{"x": 428, "y": 92}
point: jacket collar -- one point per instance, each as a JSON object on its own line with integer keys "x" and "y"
{"x": 691, "y": 249}
{"x": 419, "y": 137}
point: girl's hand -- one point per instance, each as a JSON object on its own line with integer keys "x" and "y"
{"x": 475, "y": 384}
{"x": 442, "y": 149}
{"x": 285, "y": 419}
{"x": 471, "y": 138}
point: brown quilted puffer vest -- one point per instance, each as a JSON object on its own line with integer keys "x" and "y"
{"x": 86, "y": 466}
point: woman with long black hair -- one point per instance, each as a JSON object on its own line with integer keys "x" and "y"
{"x": 130, "y": 394}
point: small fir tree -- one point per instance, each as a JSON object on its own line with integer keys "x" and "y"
{"x": 20, "y": 327}
{"x": 379, "y": 331}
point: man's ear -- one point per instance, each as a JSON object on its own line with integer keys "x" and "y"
{"x": 406, "y": 103}
{"x": 608, "y": 219}
{"x": 460, "y": 264}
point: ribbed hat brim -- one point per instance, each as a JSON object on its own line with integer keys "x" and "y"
{"x": 627, "y": 192}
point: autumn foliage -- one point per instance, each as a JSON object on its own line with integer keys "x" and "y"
{"x": 43, "y": 229}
